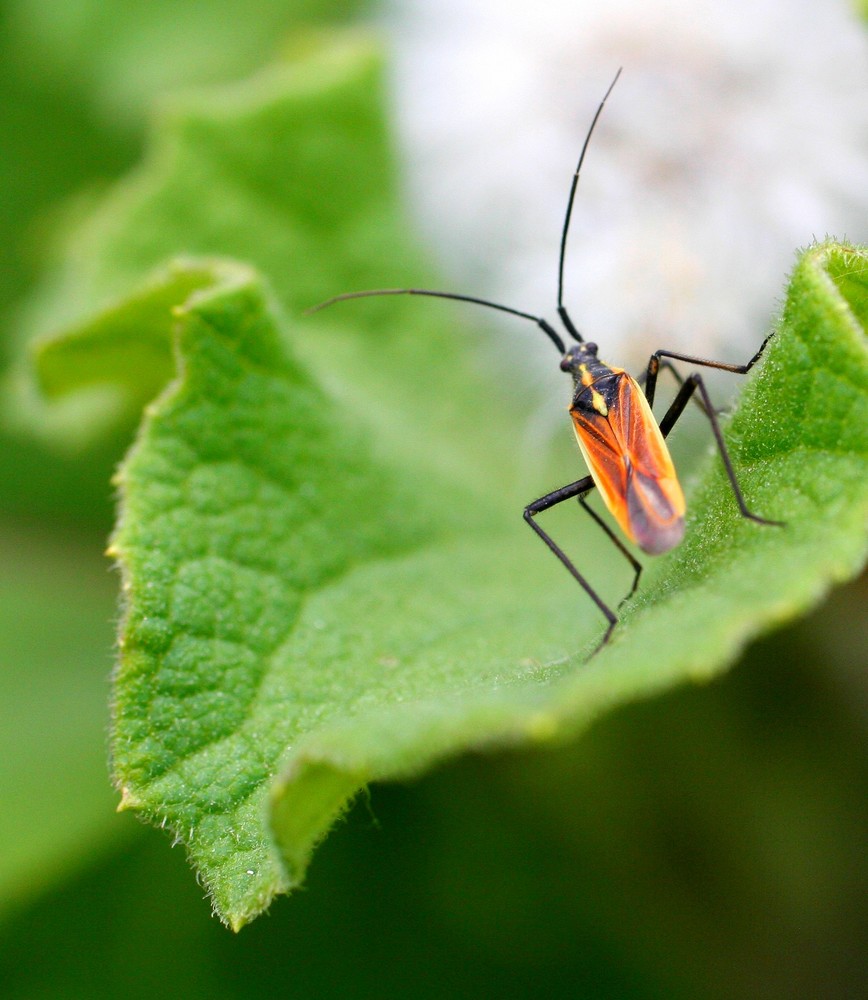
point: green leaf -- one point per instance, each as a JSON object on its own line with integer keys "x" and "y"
{"x": 326, "y": 577}
{"x": 254, "y": 516}
{"x": 293, "y": 606}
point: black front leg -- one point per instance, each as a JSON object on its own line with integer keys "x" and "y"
{"x": 577, "y": 489}
{"x": 650, "y": 379}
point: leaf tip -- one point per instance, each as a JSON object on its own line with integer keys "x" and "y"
{"x": 128, "y": 800}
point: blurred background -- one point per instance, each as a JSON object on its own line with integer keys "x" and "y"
{"x": 708, "y": 844}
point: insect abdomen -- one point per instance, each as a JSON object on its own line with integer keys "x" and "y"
{"x": 629, "y": 461}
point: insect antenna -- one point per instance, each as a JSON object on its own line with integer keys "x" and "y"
{"x": 562, "y": 312}
{"x": 547, "y": 329}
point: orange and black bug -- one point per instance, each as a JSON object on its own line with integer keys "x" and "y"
{"x": 623, "y": 445}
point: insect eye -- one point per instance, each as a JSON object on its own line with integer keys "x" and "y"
{"x": 591, "y": 348}
{"x": 565, "y": 363}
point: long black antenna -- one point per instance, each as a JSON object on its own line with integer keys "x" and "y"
{"x": 550, "y": 332}
{"x": 562, "y": 312}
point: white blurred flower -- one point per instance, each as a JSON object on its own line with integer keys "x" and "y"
{"x": 737, "y": 133}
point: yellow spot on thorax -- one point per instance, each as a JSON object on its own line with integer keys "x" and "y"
{"x": 599, "y": 403}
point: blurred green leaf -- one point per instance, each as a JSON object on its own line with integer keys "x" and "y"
{"x": 124, "y": 54}
{"x": 324, "y": 584}
{"x": 55, "y": 644}
{"x": 290, "y": 172}
{"x": 77, "y": 81}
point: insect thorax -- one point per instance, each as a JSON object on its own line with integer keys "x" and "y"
{"x": 595, "y": 384}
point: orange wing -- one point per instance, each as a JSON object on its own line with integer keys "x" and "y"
{"x": 632, "y": 467}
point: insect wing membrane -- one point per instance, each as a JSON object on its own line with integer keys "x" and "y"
{"x": 632, "y": 467}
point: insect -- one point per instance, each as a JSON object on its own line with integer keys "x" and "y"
{"x": 622, "y": 443}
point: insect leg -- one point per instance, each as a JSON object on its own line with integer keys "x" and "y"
{"x": 688, "y": 387}
{"x": 619, "y": 545}
{"x": 580, "y": 487}
{"x": 654, "y": 365}
{"x": 679, "y": 378}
